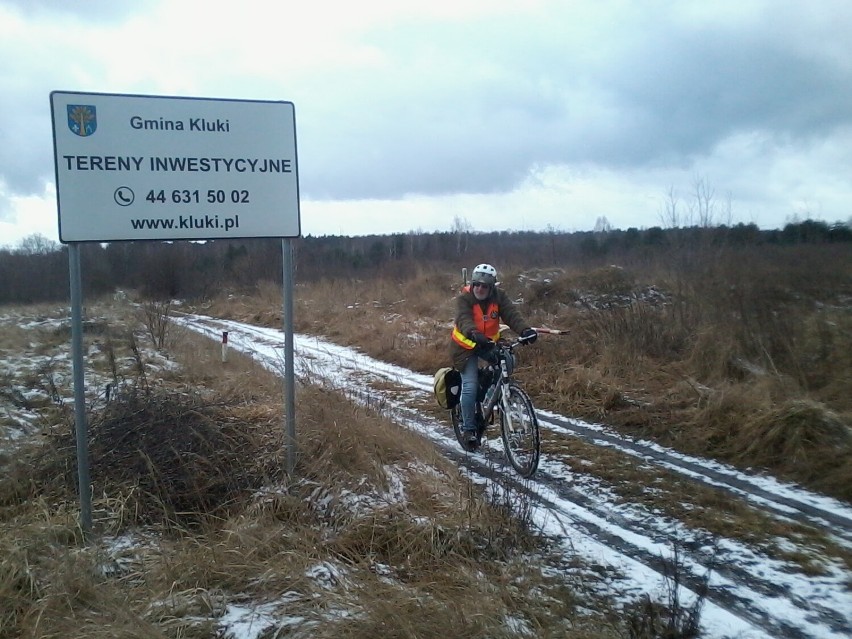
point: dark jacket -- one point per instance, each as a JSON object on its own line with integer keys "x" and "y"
{"x": 509, "y": 314}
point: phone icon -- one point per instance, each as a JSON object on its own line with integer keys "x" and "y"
{"x": 124, "y": 196}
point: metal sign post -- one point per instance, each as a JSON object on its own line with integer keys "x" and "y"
{"x": 80, "y": 425}
{"x": 289, "y": 370}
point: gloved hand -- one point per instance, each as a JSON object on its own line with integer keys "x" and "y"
{"x": 489, "y": 354}
{"x": 480, "y": 339}
{"x": 529, "y": 335}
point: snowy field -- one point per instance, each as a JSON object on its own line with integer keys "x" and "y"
{"x": 750, "y": 595}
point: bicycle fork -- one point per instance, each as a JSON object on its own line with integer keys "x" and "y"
{"x": 495, "y": 394}
{"x": 511, "y": 414}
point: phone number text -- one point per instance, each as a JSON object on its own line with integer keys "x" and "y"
{"x": 196, "y": 196}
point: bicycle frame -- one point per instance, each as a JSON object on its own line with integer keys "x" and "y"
{"x": 505, "y": 399}
{"x": 496, "y": 390}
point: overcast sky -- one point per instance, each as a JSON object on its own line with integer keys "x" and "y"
{"x": 501, "y": 115}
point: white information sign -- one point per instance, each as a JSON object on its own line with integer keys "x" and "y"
{"x": 136, "y": 167}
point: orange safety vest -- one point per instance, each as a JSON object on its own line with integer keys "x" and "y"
{"x": 487, "y": 323}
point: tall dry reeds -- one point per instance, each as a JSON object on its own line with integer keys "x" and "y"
{"x": 651, "y": 346}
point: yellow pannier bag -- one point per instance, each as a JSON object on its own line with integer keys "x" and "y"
{"x": 447, "y": 387}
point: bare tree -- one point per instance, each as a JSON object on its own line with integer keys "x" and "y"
{"x": 703, "y": 208}
{"x": 461, "y": 229}
{"x": 412, "y": 242}
{"x": 602, "y": 225}
{"x": 669, "y": 214}
{"x": 37, "y": 244}
{"x": 156, "y": 315}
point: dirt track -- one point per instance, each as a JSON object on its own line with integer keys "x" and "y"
{"x": 752, "y": 590}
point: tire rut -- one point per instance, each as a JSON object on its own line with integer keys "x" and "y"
{"x": 731, "y": 584}
{"x": 735, "y": 484}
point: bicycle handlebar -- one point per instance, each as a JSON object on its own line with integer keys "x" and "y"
{"x": 512, "y": 344}
{"x": 507, "y": 344}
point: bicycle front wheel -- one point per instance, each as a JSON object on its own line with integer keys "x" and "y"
{"x": 519, "y": 429}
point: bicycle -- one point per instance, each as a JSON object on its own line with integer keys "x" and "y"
{"x": 501, "y": 396}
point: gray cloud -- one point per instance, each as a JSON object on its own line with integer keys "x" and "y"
{"x": 26, "y": 147}
{"x": 695, "y": 93}
{"x": 473, "y": 107}
{"x": 28, "y": 74}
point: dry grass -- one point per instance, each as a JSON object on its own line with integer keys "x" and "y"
{"x": 403, "y": 322}
{"x": 177, "y": 453}
{"x": 750, "y": 365}
{"x": 193, "y": 514}
{"x": 711, "y": 353}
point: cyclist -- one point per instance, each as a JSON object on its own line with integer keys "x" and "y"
{"x": 480, "y": 307}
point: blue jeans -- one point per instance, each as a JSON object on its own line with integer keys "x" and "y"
{"x": 469, "y": 389}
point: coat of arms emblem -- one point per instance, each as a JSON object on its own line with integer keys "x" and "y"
{"x": 82, "y": 119}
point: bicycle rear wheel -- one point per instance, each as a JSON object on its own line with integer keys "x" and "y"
{"x": 519, "y": 429}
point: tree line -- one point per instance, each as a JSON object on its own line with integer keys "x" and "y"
{"x": 37, "y": 269}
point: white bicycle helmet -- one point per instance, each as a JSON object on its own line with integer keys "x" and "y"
{"x": 484, "y": 273}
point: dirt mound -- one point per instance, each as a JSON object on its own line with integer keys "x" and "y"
{"x": 800, "y": 438}
{"x": 799, "y": 434}
{"x": 173, "y": 456}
